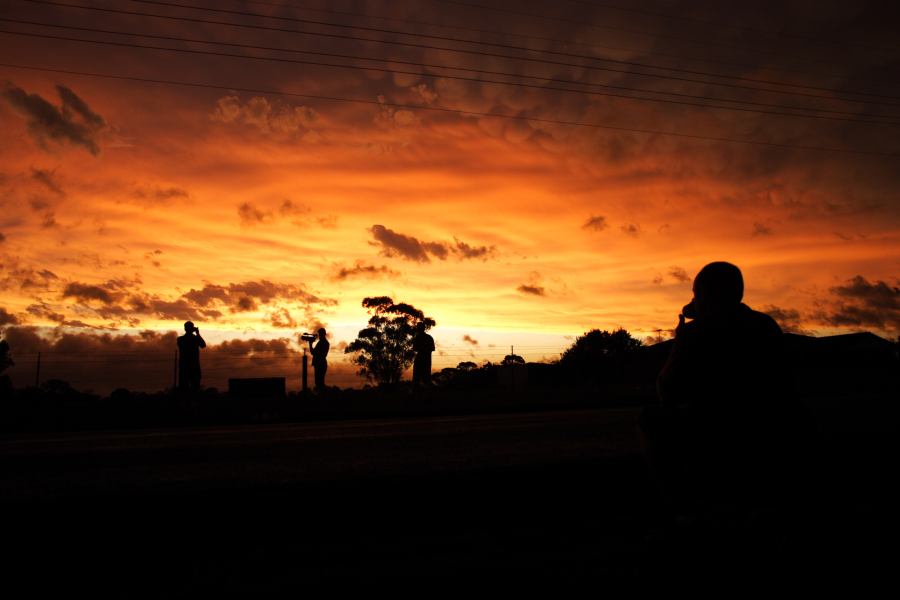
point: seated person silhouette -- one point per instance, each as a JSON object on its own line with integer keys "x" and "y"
{"x": 716, "y": 436}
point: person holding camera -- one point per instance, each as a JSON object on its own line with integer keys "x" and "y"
{"x": 319, "y": 354}
{"x": 189, "y": 346}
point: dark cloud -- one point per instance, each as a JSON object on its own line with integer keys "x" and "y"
{"x": 43, "y": 311}
{"x": 250, "y": 215}
{"x": 878, "y": 295}
{"x": 394, "y": 244}
{"x": 760, "y": 229}
{"x": 142, "y": 361}
{"x": 464, "y": 250}
{"x": 679, "y": 275}
{"x": 631, "y": 229}
{"x": 7, "y": 318}
{"x": 861, "y": 303}
{"x": 595, "y": 223}
{"x": 398, "y": 244}
{"x": 789, "y": 319}
{"x": 85, "y": 292}
{"x": 534, "y": 290}
{"x": 48, "y": 179}
{"x": 470, "y": 340}
{"x": 72, "y": 122}
{"x": 159, "y": 195}
{"x": 282, "y": 319}
{"x": 289, "y": 208}
{"x": 245, "y": 296}
{"x": 361, "y": 269}
{"x": 71, "y": 102}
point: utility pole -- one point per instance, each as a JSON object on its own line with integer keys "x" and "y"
{"x": 303, "y": 384}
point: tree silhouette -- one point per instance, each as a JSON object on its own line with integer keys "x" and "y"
{"x": 384, "y": 349}
{"x": 512, "y": 359}
{"x": 599, "y": 355}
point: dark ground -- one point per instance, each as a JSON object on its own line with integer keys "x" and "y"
{"x": 514, "y": 497}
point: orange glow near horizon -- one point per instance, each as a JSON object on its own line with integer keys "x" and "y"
{"x": 257, "y": 215}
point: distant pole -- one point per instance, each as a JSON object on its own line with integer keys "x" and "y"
{"x": 303, "y": 384}
{"x": 37, "y": 371}
{"x": 175, "y": 371}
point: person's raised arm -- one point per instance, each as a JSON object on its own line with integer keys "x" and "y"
{"x": 202, "y": 343}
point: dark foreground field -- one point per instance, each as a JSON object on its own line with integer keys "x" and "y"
{"x": 513, "y": 497}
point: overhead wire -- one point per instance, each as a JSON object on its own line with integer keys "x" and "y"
{"x": 708, "y": 22}
{"x": 389, "y": 104}
{"x": 873, "y": 118}
{"x": 592, "y": 45}
{"x": 582, "y": 23}
{"x": 480, "y": 53}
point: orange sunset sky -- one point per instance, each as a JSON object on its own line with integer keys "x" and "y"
{"x": 271, "y": 194}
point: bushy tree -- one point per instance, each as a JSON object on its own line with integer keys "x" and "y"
{"x": 384, "y": 349}
{"x": 599, "y": 356}
{"x": 512, "y": 359}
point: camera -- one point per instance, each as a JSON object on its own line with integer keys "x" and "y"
{"x": 308, "y": 337}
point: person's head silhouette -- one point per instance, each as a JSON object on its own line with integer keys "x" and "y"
{"x": 322, "y": 333}
{"x": 188, "y": 326}
{"x": 718, "y": 289}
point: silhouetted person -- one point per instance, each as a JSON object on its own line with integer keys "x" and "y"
{"x": 423, "y": 346}
{"x": 724, "y": 407}
{"x": 189, "y": 346}
{"x": 319, "y": 359}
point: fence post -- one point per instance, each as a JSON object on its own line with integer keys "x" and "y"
{"x": 37, "y": 371}
{"x": 303, "y": 384}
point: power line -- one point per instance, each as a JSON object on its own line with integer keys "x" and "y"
{"x": 706, "y": 22}
{"x": 592, "y": 45}
{"x": 481, "y": 53}
{"x": 609, "y": 27}
{"x": 456, "y": 111}
{"x": 456, "y": 77}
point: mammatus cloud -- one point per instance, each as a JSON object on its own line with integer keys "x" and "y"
{"x": 268, "y": 117}
{"x": 72, "y": 121}
{"x": 595, "y": 223}
{"x": 363, "y": 270}
{"x": 395, "y": 244}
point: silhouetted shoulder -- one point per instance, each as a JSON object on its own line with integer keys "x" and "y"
{"x": 760, "y": 321}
